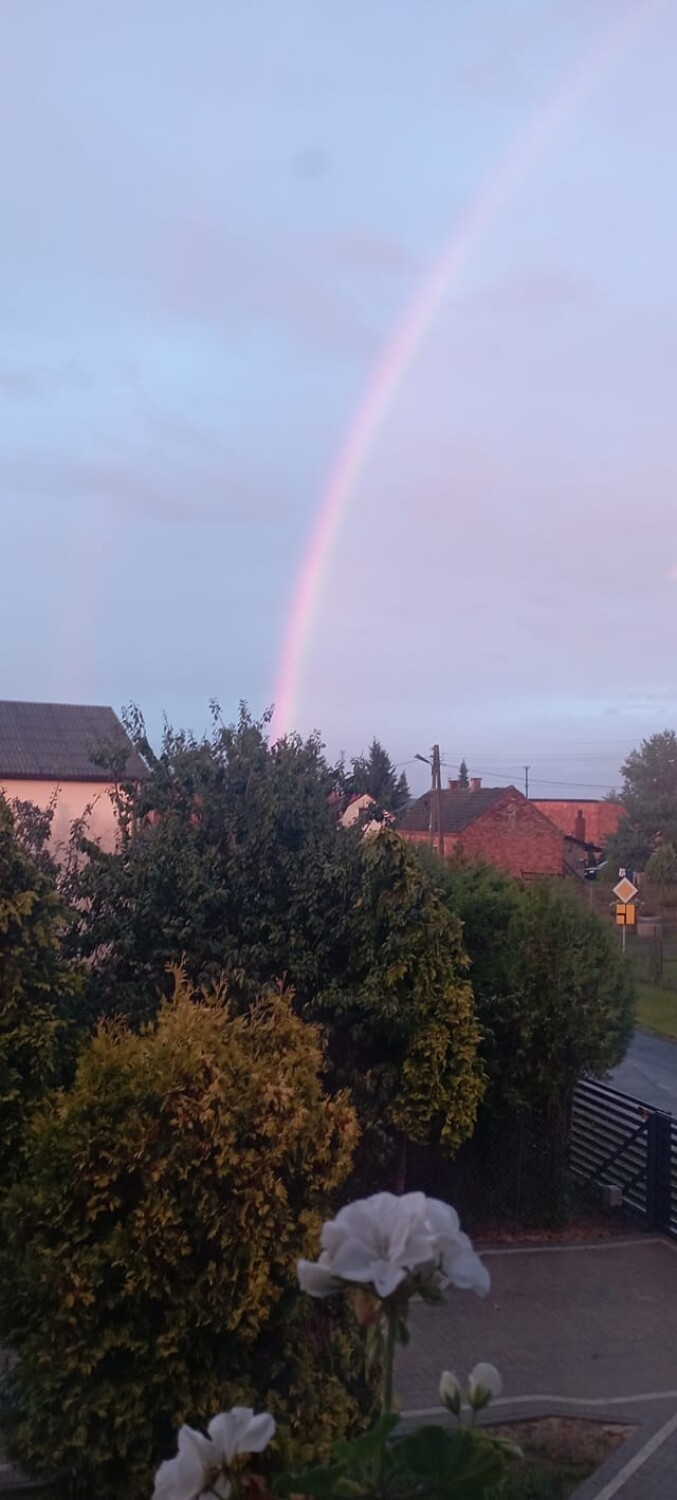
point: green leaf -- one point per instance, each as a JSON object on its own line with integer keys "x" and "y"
{"x": 361, "y": 1449}
{"x": 352, "y": 1473}
{"x": 450, "y": 1462}
{"x": 327, "y": 1481}
{"x": 432, "y": 1294}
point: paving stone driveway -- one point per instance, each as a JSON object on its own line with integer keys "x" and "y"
{"x": 575, "y": 1330}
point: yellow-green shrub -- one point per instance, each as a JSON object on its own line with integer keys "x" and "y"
{"x": 153, "y": 1240}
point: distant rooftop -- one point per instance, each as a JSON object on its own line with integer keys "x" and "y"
{"x": 458, "y": 808}
{"x": 57, "y": 742}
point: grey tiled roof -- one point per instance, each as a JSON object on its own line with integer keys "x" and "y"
{"x": 458, "y": 807}
{"x": 56, "y": 742}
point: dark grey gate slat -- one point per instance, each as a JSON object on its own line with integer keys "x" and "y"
{"x": 616, "y": 1139}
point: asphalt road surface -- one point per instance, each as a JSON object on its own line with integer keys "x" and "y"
{"x": 649, "y": 1072}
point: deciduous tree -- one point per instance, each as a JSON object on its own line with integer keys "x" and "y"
{"x": 234, "y": 862}
{"x": 396, "y": 998}
{"x": 649, "y": 800}
{"x": 226, "y": 853}
{"x": 39, "y": 991}
{"x": 553, "y": 995}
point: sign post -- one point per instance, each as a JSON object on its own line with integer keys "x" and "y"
{"x": 626, "y": 912}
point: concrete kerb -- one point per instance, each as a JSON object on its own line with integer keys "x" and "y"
{"x": 628, "y": 1472}
{"x": 652, "y": 1419}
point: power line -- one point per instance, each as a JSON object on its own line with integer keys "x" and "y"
{"x": 539, "y": 780}
{"x": 559, "y": 760}
{"x": 589, "y": 786}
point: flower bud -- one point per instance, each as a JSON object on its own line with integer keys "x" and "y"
{"x": 367, "y": 1308}
{"x": 485, "y": 1383}
{"x": 451, "y": 1394}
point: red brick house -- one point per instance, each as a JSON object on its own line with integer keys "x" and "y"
{"x": 590, "y": 822}
{"x": 495, "y": 824}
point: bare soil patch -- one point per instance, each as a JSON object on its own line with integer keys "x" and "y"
{"x": 559, "y": 1454}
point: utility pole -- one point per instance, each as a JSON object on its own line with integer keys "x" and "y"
{"x": 437, "y": 797}
{"x": 435, "y": 817}
{"x": 526, "y": 781}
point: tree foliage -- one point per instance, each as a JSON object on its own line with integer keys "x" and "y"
{"x": 649, "y": 800}
{"x": 39, "y": 991}
{"x": 233, "y": 861}
{"x": 555, "y": 1001}
{"x": 150, "y": 1249}
{"x": 463, "y": 778}
{"x": 573, "y": 1009}
{"x": 226, "y": 853}
{"x": 397, "y": 1003}
{"x": 33, "y": 831}
{"x": 553, "y": 995}
{"x": 661, "y": 868}
{"x": 376, "y": 775}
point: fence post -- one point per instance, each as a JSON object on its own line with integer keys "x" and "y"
{"x": 658, "y": 1171}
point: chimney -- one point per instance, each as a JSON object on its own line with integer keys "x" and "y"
{"x": 452, "y": 785}
{"x": 579, "y": 825}
{"x": 475, "y": 783}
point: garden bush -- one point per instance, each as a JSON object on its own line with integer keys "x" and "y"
{"x": 152, "y": 1243}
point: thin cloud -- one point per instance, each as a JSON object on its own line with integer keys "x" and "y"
{"x": 33, "y": 382}
{"x": 211, "y": 495}
{"x": 233, "y": 285}
{"x": 373, "y": 252}
{"x": 539, "y": 289}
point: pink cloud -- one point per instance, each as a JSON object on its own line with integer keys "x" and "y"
{"x": 373, "y": 252}
{"x": 538, "y": 288}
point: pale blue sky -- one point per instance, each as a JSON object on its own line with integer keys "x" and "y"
{"x": 214, "y": 216}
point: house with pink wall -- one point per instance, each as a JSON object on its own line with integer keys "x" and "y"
{"x": 50, "y": 755}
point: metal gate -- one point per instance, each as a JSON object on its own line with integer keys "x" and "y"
{"x": 619, "y": 1142}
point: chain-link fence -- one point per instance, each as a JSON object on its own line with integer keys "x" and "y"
{"x": 513, "y": 1173}
{"x": 654, "y": 960}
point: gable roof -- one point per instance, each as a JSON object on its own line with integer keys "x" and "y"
{"x": 458, "y": 808}
{"x": 56, "y": 742}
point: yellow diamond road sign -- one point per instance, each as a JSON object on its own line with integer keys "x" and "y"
{"x": 625, "y": 890}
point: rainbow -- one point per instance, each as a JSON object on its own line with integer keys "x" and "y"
{"x": 400, "y": 351}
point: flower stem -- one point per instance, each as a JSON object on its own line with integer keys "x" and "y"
{"x": 389, "y": 1361}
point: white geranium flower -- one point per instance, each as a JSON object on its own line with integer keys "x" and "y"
{"x": 201, "y": 1462}
{"x": 317, "y": 1278}
{"x": 451, "y": 1394}
{"x": 196, "y": 1468}
{"x": 484, "y": 1383}
{"x": 381, "y": 1241}
{"x": 240, "y": 1431}
{"x": 458, "y": 1263}
{"x": 378, "y": 1241}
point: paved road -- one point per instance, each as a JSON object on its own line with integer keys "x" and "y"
{"x": 649, "y": 1071}
{"x": 583, "y": 1330}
